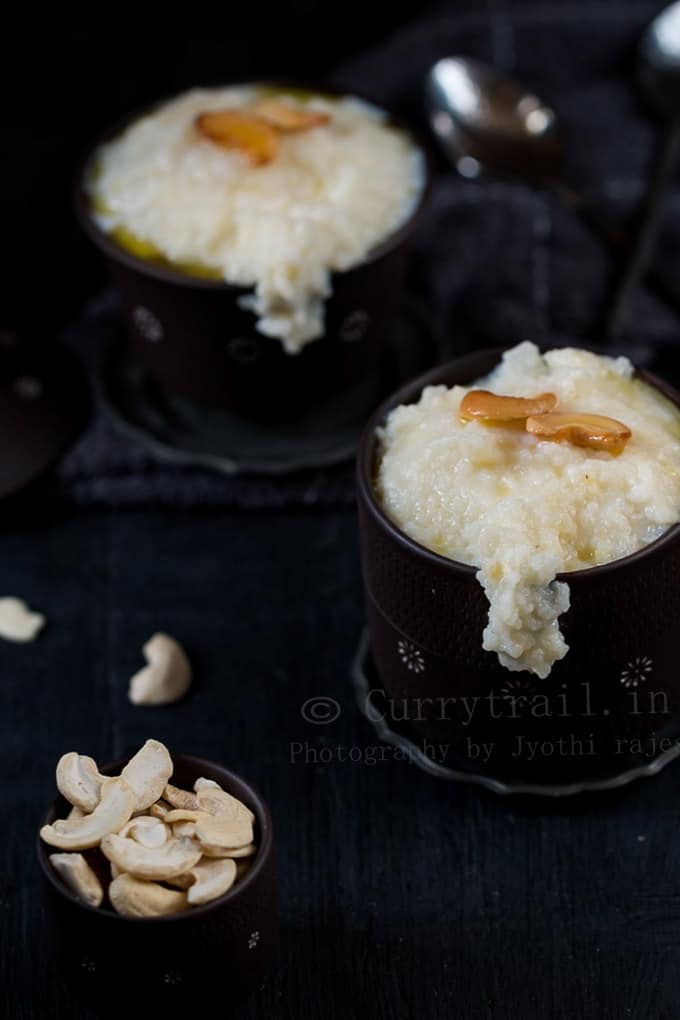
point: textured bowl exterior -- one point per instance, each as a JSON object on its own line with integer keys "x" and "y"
{"x": 193, "y": 338}
{"x": 228, "y": 943}
{"x": 611, "y": 703}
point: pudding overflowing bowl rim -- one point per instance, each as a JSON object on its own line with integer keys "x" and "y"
{"x": 451, "y": 373}
{"x": 169, "y": 274}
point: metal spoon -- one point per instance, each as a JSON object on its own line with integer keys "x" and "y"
{"x": 485, "y": 122}
{"x": 659, "y": 77}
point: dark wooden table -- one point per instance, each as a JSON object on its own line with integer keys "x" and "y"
{"x": 403, "y": 896}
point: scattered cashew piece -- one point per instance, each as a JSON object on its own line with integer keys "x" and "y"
{"x": 79, "y": 780}
{"x": 147, "y": 773}
{"x": 18, "y": 622}
{"x": 166, "y": 678}
{"x": 78, "y": 876}
{"x": 133, "y": 898}
{"x": 160, "y": 863}
{"x": 113, "y": 811}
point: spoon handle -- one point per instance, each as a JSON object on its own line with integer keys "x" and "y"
{"x": 641, "y": 254}
{"x": 664, "y": 282}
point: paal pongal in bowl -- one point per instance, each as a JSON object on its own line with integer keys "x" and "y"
{"x": 257, "y": 235}
{"x": 521, "y": 555}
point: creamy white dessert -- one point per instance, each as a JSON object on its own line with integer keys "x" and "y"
{"x": 522, "y": 508}
{"x": 280, "y": 218}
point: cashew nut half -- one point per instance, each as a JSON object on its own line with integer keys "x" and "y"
{"x": 184, "y": 829}
{"x": 204, "y": 783}
{"x": 147, "y": 831}
{"x": 164, "y": 862}
{"x": 219, "y": 802}
{"x": 180, "y": 815}
{"x": 17, "y": 622}
{"x": 134, "y": 898}
{"x": 217, "y": 833}
{"x": 211, "y": 879}
{"x": 184, "y": 800}
{"x": 159, "y": 810}
{"x": 77, "y": 874}
{"x": 79, "y": 780}
{"x": 113, "y": 811}
{"x": 147, "y": 773}
{"x": 167, "y": 677}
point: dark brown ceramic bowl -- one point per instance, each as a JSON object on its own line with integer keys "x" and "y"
{"x": 226, "y": 944}
{"x": 611, "y": 705}
{"x": 191, "y": 335}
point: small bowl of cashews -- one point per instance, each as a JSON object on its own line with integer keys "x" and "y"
{"x": 159, "y": 873}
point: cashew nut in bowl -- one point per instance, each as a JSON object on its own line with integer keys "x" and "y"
{"x": 242, "y": 851}
{"x": 160, "y": 863}
{"x": 217, "y": 832}
{"x": 184, "y": 829}
{"x": 79, "y": 780}
{"x": 147, "y": 773}
{"x": 234, "y": 852}
{"x": 182, "y": 799}
{"x": 133, "y": 898}
{"x": 17, "y": 622}
{"x": 159, "y": 810}
{"x": 113, "y": 811}
{"x": 179, "y": 815}
{"x": 211, "y": 879}
{"x": 77, "y": 874}
{"x": 205, "y": 783}
{"x": 148, "y": 831}
{"x": 166, "y": 678}
{"x": 219, "y": 802}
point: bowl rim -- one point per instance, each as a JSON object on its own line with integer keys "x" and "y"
{"x": 264, "y": 850}
{"x": 476, "y": 363}
{"x": 168, "y": 274}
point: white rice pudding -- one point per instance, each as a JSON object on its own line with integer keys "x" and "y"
{"x": 329, "y": 196}
{"x": 521, "y": 509}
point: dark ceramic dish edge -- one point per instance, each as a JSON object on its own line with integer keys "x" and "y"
{"x": 500, "y": 787}
{"x": 170, "y": 275}
{"x": 409, "y": 394}
{"x": 264, "y": 849}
